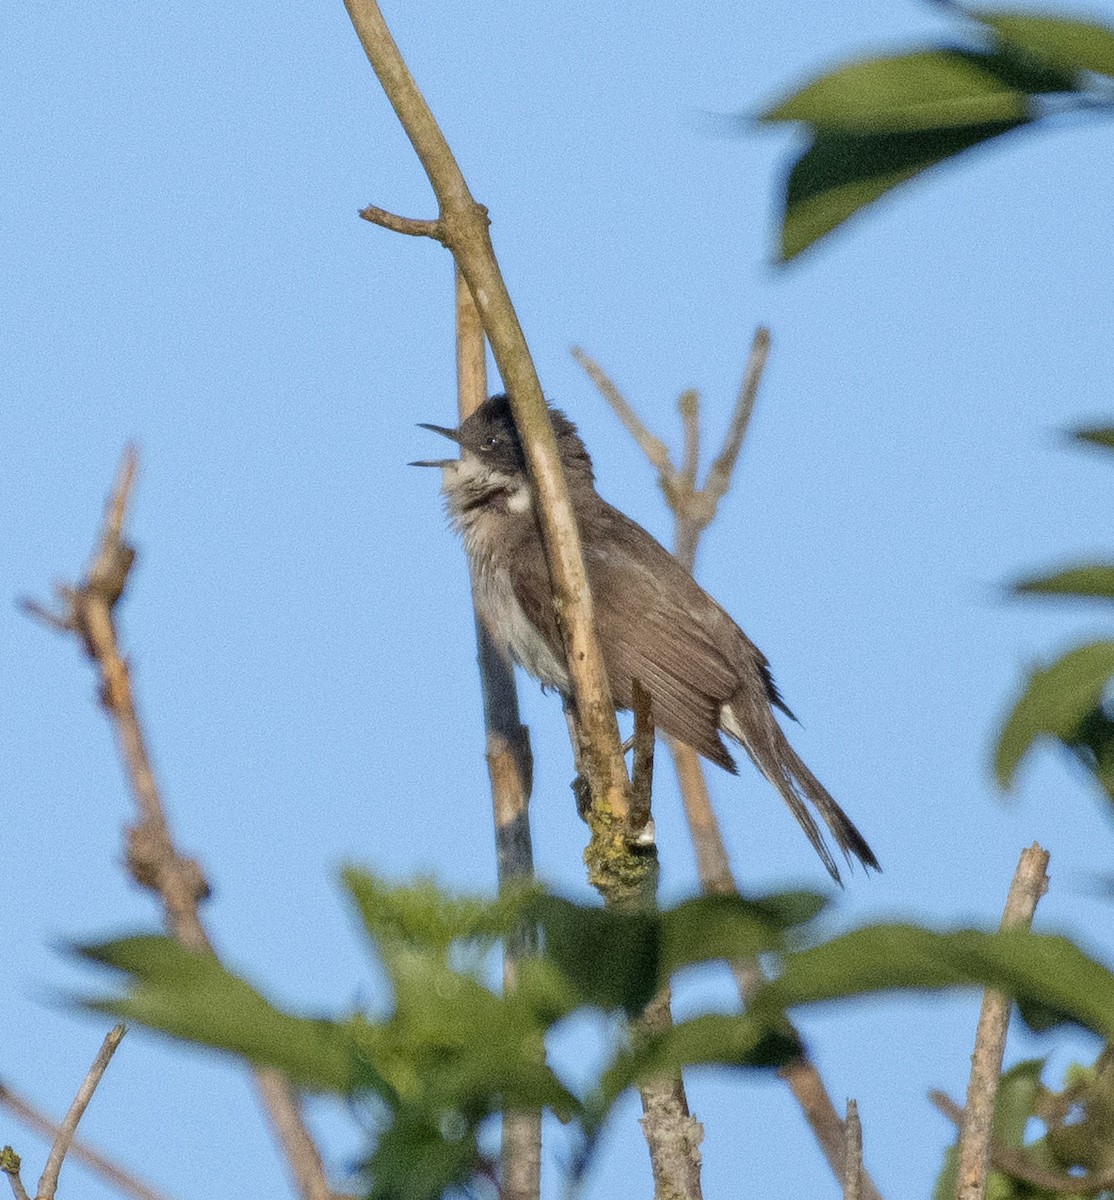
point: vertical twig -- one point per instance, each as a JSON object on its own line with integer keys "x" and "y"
{"x": 853, "y": 1157}
{"x": 63, "y": 1139}
{"x": 153, "y": 859}
{"x": 510, "y": 767}
{"x": 1030, "y": 882}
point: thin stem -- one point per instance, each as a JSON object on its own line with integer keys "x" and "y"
{"x": 63, "y": 1139}
{"x": 510, "y": 768}
{"x": 153, "y": 858}
{"x": 465, "y": 226}
{"x": 1030, "y": 882}
{"x": 120, "y": 1179}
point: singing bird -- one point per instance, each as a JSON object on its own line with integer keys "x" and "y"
{"x": 654, "y": 621}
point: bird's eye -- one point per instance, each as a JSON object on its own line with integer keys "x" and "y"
{"x": 491, "y": 442}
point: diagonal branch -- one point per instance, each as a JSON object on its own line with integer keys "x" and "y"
{"x": 153, "y": 858}
{"x": 113, "y": 1174}
{"x": 63, "y": 1139}
{"x": 465, "y": 226}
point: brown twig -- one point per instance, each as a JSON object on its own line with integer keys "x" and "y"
{"x": 120, "y": 1179}
{"x": 510, "y": 768}
{"x": 465, "y": 226}
{"x": 693, "y": 508}
{"x": 853, "y": 1156}
{"x": 1030, "y": 882}
{"x": 9, "y": 1165}
{"x": 410, "y": 226}
{"x": 1012, "y": 1161}
{"x": 153, "y": 858}
{"x": 642, "y": 774}
{"x": 63, "y": 1139}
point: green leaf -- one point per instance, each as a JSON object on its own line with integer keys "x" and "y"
{"x": 190, "y": 995}
{"x": 1056, "y": 701}
{"x": 730, "y": 927}
{"x": 1035, "y": 969}
{"x": 1090, "y": 579}
{"x": 1070, "y": 45}
{"x": 1018, "y": 1091}
{"x": 1099, "y": 436}
{"x": 610, "y": 959}
{"x": 928, "y": 89}
{"x": 740, "y": 1040}
{"x": 841, "y": 173}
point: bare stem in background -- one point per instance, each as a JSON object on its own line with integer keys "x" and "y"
{"x": 1030, "y": 882}
{"x": 693, "y": 509}
{"x": 853, "y": 1157}
{"x": 63, "y": 1139}
{"x": 153, "y": 859}
{"x": 115, "y": 1175}
{"x": 1021, "y": 1165}
{"x": 510, "y": 766}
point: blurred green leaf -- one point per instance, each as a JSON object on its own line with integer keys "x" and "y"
{"x": 707, "y": 928}
{"x": 1070, "y": 45}
{"x": 1044, "y": 971}
{"x": 926, "y": 90}
{"x": 422, "y": 914}
{"x": 610, "y": 959}
{"x": 1056, "y": 701}
{"x": 841, "y": 173}
{"x": 190, "y": 995}
{"x": 1091, "y": 579}
{"x": 1098, "y": 436}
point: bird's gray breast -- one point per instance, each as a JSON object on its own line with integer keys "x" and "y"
{"x": 509, "y": 626}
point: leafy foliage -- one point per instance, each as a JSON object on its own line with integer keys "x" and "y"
{"x": 1065, "y": 701}
{"x": 879, "y": 122}
{"x": 452, "y": 1050}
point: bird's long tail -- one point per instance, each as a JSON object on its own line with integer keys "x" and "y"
{"x": 765, "y": 742}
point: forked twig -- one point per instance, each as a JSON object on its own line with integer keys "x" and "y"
{"x": 154, "y": 860}
{"x": 693, "y": 509}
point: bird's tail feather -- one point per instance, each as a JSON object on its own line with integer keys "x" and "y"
{"x": 769, "y": 749}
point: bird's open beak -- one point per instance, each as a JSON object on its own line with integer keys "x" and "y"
{"x": 452, "y": 434}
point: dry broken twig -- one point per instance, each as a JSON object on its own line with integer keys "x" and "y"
{"x": 88, "y": 611}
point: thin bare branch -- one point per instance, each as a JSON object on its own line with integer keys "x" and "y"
{"x": 651, "y": 445}
{"x": 410, "y": 226}
{"x": 465, "y": 226}
{"x": 120, "y": 1179}
{"x": 9, "y": 1165}
{"x": 688, "y": 405}
{"x": 1019, "y": 1163}
{"x": 693, "y": 509}
{"x": 853, "y": 1159}
{"x": 1030, "y": 882}
{"x": 153, "y": 858}
{"x": 723, "y": 468}
{"x": 642, "y": 776}
{"x": 63, "y": 1139}
{"x": 673, "y": 1134}
{"x": 510, "y": 768}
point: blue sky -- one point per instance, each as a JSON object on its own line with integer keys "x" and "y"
{"x": 186, "y": 268}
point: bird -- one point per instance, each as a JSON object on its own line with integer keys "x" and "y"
{"x": 654, "y": 622}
